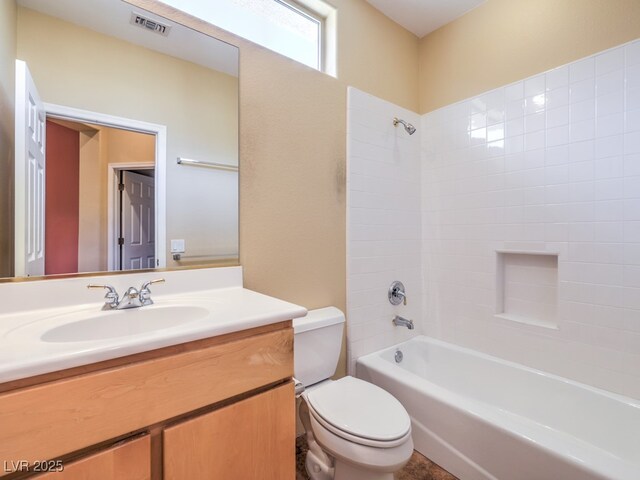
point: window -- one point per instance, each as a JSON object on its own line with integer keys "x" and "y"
{"x": 303, "y": 30}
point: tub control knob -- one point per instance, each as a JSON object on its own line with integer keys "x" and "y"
{"x": 396, "y": 293}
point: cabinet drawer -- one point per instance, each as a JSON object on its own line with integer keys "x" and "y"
{"x": 57, "y": 418}
{"x": 253, "y": 439}
{"x": 128, "y": 461}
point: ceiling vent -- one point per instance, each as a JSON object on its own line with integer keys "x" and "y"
{"x": 148, "y": 24}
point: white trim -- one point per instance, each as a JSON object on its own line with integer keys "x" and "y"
{"x": 20, "y": 148}
{"x": 112, "y": 196}
{"x": 113, "y": 252}
{"x": 160, "y": 132}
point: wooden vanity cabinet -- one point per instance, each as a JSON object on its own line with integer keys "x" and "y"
{"x": 218, "y": 408}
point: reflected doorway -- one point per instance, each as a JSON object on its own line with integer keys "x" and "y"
{"x": 134, "y": 216}
{"x": 88, "y": 227}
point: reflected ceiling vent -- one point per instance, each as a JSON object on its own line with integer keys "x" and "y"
{"x": 148, "y": 24}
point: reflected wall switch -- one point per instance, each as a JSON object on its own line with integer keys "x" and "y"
{"x": 177, "y": 246}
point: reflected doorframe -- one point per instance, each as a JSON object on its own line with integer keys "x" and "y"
{"x": 113, "y": 223}
{"x": 160, "y": 132}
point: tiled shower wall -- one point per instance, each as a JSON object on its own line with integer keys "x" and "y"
{"x": 383, "y": 223}
{"x": 549, "y": 164}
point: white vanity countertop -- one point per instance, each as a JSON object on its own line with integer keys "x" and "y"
{"x": 24, "y": 352}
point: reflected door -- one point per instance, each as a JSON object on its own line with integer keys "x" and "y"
{"x": 29, "y": 175}
{"x": 138, "y": 222}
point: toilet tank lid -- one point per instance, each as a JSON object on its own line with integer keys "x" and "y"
{"x": 321, "y": 317}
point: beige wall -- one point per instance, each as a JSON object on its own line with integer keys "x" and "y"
{"x": 375, "y": 54}
{"x": 130, "y": 147}
{"x": 502, "y": 41}
{"x": 92, "y": 243}
{"x": 99, "y": 73}
{"x": 293, "y": 150}
{"x": 7, "y": 94}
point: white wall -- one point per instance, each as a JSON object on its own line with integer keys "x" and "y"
{"x": 551, "y": 163}
{"x": 383, "y": 223}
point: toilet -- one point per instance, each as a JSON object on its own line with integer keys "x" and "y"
{"x": 355, "y": 430}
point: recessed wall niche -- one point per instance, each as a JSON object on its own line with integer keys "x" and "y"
{"x": 527, "y": 288}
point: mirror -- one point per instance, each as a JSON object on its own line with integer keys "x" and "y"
{"x": 126, "y": 141}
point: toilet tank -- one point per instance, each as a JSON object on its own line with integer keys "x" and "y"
{"x": 317, "y": 343}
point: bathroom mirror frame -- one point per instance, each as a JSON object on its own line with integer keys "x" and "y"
{"x": 201, "y": 27}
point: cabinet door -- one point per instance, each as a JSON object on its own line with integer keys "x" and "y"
{"x": 128, "y": 461}
{"x": 253, "y": 439}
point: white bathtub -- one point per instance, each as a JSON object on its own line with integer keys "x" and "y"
{"x": 480, "y": 417}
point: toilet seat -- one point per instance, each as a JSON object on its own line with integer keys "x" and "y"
{"x": 360, "y": 412}
{"x": 371, "y": 459}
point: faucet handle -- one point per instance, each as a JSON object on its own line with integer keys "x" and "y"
{"x": 397, "y": 293}
{"x": 112, "y": 296}
{"x": 146, "y": 285}
{"x": 145, "y": 291}
{"x": 403, "y": 295}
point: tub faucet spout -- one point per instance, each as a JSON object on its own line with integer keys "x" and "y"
{"x": 403, "y": 322}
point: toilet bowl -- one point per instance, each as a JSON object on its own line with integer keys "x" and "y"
{"x": 355, "y": 430}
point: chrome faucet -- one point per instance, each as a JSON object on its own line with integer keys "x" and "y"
{"x": 132, "y": 298}
{"x": 399, "y": 321}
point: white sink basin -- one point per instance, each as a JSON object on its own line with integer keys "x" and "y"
{"x": 86, "y": 326}
{"x": 51, "y": 335}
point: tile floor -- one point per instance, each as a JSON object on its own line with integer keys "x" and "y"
{"x": 418, "y": 468}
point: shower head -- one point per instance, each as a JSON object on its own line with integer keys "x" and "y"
{"x": 407, "y": 126}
